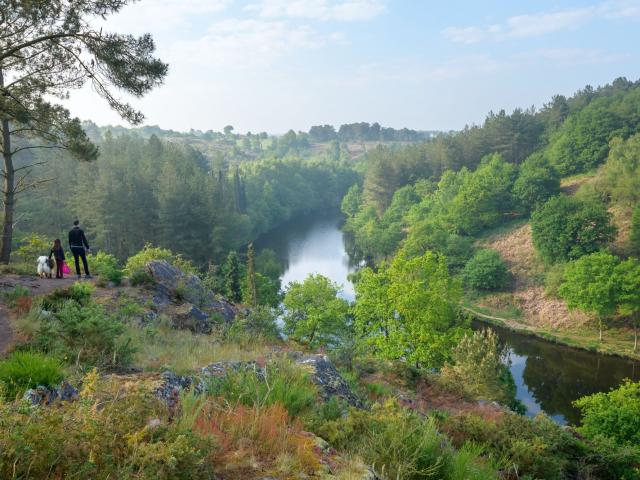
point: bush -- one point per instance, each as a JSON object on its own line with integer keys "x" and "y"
{"x": 107, "y": 267}
{"x": 138, "y": 263}
{"x": 79, "y": 292}
{"x": 281, "y": 381}
{"x": 33, "y": 247}
{"x": 480, "y": 368}
{"x": 615, "y": 414}
{"x": 84, "y": 334}
{"x": 252, "y": 439}
{"x": 553, "y": 279}
{"x": 401, "y": 444}
{"x": 24, "y": 370}
{"x": 486, "y": 271}
{"x": 259, "y": 322}
{"x": 105, "y": 435}
{"x": 539, "y": 448}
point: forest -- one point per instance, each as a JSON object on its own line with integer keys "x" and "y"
{"x": 184, "y": 355}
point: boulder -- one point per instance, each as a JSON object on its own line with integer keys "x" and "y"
{"x": 42, "y": 395}
{"x": 190, "y": 317}
{"x": 328, "y": 380}
{"x": 172, "y": 286}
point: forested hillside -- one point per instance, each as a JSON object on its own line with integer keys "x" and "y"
{"x": 463, "y": 195}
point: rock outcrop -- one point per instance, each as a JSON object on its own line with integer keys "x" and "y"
{"x": 322, "y": 372}
{"x": 198, "y": 306}
{"x": 42, "y": 395}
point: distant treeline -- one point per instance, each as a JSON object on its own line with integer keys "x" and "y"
{"x": 366, "y": 132}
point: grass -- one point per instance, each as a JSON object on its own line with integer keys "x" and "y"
{"x": 182, "y": 351}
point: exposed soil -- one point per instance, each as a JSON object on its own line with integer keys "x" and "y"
{"x": 527, "y": 293}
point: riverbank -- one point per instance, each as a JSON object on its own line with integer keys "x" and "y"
{"x": 616, "y": 341}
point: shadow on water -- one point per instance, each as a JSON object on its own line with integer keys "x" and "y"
{"x": 548, "y": 376}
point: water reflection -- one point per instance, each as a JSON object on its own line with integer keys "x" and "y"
{"x": 312, "y": 245}
{"x": 549, "y": 377}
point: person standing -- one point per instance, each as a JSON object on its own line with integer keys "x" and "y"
{"x": 57, "y": 252}
{"x": 79, "y": 248}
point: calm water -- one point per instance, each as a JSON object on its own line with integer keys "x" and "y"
{"x": 548, "y": 376}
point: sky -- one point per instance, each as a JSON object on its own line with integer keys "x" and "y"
{"x": 275, "y": 65}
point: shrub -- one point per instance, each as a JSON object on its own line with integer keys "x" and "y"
{"x": 254, "y": 439}
{"x": 32, "y": 247}
{"x": 553, "y": 279}
{"x": 281, "y": 381}
{"x": 105, "y": 435}
{"x": 85, "y": 334}
{"x": 138, "y": 262}
{"x": 79, "y": 292}
{"x": 539, "y": 448}
{"x": 259, "y": 322}
{"x": 486, "y": 271}
{"x": 615, "y": 414}
{"x": 537, "y": 181}
{"x": 480, "y": 368}
{"x": 107, "y": 267}
{"x": 401, "y": 444}
{"x": 24, "y": 370}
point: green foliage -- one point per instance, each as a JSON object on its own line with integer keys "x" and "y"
{"x": 107, "y": 267}
{"x": 486, "y": 271}
{"x": 79, "y": 292}
{"x": 566, "y": 228}
{"x": 279, "y": 382}
{"x": 621, "y": 172}
{"x": 553, "y": 279}
{"x": 136, "y": 265}
{"x": 106, "y": 434}
{"x": 24, "y": 370}
{"x": 260, "y": 322}
{"x": 13, "y": 295}
{"x": 627, "y": 280}
{"x": 314, "y": 314}
{"x": 408, "y": 310}
{"x": 590, "y": 284}
{"x": 537, "y": 182}
{"x": 232, "y": 275}
{"x": 582, "y": 141}
{"x": 33, "y": 247}
{"x": 480, "y": 368}
{"x": 400, "y": 444}
{"x": 539, "y": 448}
{"x": 267, "y": 264}
{"x": 84, "y": 334}
{"x": 634, "y": 235}
{"x": 615, "y": 414}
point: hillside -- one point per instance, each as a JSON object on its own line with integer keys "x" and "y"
{"x": 529, "y": 306}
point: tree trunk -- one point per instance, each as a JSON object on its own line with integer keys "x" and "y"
{"x": 600, "y": 325}
{"x": 8, "y": 194}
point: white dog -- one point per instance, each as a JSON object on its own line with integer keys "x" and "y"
{"x": 45, "y": 267}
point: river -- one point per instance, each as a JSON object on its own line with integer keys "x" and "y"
{"x": 548, "y": 376}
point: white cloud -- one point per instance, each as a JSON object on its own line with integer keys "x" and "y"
{"x": 537, "y": 24}
{"x": 162, "y": 14}
{"x": 569, "y": 57}
{"x": 338, "y": 10}
{"x": 246, "y": 43}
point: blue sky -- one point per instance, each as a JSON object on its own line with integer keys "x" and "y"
{"x": 271, "y": 65}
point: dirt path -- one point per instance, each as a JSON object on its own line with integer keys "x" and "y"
{"x": 37, "y": 286}
{"x": 509, "y": 323}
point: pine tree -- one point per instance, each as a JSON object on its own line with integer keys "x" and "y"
{"x": 232, "y": 277}
{"x": 251, "y": 277}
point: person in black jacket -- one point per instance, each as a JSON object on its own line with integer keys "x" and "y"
{"x": 79, "y": 248}
{"x": 57, "y": 252}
